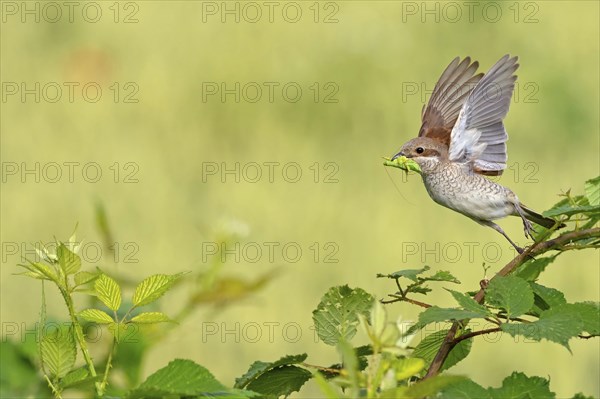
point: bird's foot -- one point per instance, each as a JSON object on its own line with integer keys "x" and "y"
{"x": 528, "y": 228}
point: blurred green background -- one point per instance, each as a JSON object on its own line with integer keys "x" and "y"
{"x": 158, "y": 126}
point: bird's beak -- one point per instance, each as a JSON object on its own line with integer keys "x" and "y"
{"x": 398, "y": 155}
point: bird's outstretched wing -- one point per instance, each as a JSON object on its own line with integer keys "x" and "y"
{"x": 449, "y": 94}
{"x": 478, "y": 138}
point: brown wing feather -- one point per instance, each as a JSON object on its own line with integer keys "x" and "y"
{"x": 449, "y": 94}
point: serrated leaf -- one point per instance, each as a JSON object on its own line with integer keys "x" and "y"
{"x": 558, "y": 324}
{"x": 151, "y": 317}
{"x": 429, "y": 346}
{"x": 589, "y": 314}
{"x": 108, "y": 291}
{"x": 436, "y": 314}
{"x": 519, "y": 386}
{"x": 530, "y": 270}
{"x": 84, "y": 277}
{"x": 442, "y": 275}
{"x": 58, "y": 352}
{"x": 516, "y": 386}
{"x": 33, "y": 274}
{"x": 592, "y": 190}
{"x": 417, "y": 289}
{"x": 363, "y": 350}
{"x": 69, "y": 262}
{"x": 570, "y": 210}
{"x": 510, "y": 293}
{"x": 179, "y": 378}
{"x": 410, "y": 274}
{"x": 467, "y": 389}
{"x": 153, "y": 288}
{"x": 579, "y": 395}
{"x": 96, "y": 316}
{"x": 424, "y": 388}
{"x": 545, "y": 298}
{"x": 468, "y": 303}
{"x": 335, "y": 317}
{"x": 44, "y": 271}
{"x": 258, "y": 368}
{"x": 281, "y": 381}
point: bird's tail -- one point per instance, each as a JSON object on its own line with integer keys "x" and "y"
{"x": 539, "y": 219}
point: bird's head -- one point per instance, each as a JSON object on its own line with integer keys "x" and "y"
{"x": 428, "y": 153}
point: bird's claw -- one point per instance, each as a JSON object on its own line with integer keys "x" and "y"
{"x": 528, "y": 228}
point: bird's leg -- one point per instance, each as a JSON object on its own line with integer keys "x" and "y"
{"x": 499, "y": 230}
{"x": 526, "y": 223}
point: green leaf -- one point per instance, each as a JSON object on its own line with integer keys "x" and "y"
{"x": 468, "y": 303}
{"x": 179, "y": 378}
{"x": 519, "y": 386}
{"x": 417, "y": 289}
{"x": 108, "y": 291}
{"x": 350, "y": 365}
{"x": 410, "y": 274}
{"x": 381, "y": 333}
{"x": 96, "y": 316}
{"x": 429, "y": 346}
{"x": 281, "y": 381}
{"x": 58, "y": 351}
{"x": 69, "y": 262}
{"x": 335, "y": 317}
{"x": 36, "y": 275}
{"x": 592, "y": 190}
{"x": 153, "y": 288}
{"x": 516, "y": 386}
{"x": 258, "y": 368}
{"x": 151, "y": 317}
{"x": 83, "y": 277}
{"x": 589, "y": 314}
{"x": 442, "y": 275}
{"x": 436, "y": 314}
{"x": 407, "y": 367}
{"x": 582, "y": 396}
{"x": 557, "y": 324}
{"x": 545, "y": 298}
{"x": 424, "y": 388}
{"x": 510, "y": 293}
{"x": 41, "y": 271}
{"x": 531, "y": 269}
{"x": 329, "y": 390}
{"x": 466, "y": 389}
{"x": 77, "y": 378}
{"x": 570, "y": 210}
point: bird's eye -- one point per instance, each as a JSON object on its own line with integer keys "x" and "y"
{"x": 419, "y": 150}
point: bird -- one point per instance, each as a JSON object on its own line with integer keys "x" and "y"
{"x": 462, "y": 140}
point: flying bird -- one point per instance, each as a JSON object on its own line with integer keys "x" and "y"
{"x": 462, "y": 138}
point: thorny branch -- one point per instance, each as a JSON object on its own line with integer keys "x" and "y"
{"x": 561, "y": 242}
